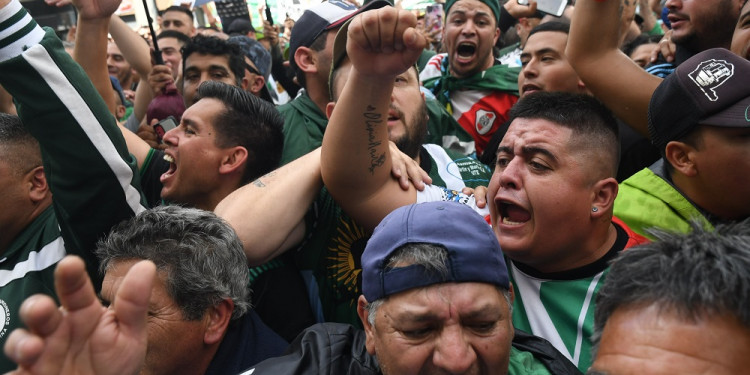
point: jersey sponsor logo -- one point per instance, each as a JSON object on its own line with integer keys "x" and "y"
{"x": 5, "y": 318}
{"x": 484, "y": 121}
{"x": 711, "y": 74}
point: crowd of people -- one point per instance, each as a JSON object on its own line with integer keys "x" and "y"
{"x": 524, "y": 194}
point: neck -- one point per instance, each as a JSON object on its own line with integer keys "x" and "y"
{"x": 597, "y": 244}
{"x": 318, "y": 93}
{"x": 20, "y": 223}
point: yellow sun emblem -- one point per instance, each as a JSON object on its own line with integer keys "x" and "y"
{"x": 345, "y": 253}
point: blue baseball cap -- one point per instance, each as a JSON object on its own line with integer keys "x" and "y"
{"x": 474, "y": 255}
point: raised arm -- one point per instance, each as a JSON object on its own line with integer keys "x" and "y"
{"x": 89, "y": 170}
{"x": 281, "y": 198}
{"x": 138, "y": 54}
{"x": 614, "y": 79}
{"x": 356, "y": 161}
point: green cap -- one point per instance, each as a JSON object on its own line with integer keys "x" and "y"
{"x": 493, "y": 4}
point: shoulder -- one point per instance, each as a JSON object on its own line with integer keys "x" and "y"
{"x": 433, "y": 68}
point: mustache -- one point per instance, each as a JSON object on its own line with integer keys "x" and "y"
{"x": 679, "y": 14}
{"x": 397, "y": 110}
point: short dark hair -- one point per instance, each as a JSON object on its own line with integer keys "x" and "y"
{"x": 640, "y": 40}
{"x": 18, "y": 148}
{"x": 554, "y": 26}
{"x": 209, "y": 45}
{"x": 593, "y": 125}
{"x": 317, "y": 45}
{"x": 198, "y": 254}
{"x": 247, "y": 121}
{"x": 181, "y": 9}
{"x": 182, "y": 38}
{"x": 696, "y": 275}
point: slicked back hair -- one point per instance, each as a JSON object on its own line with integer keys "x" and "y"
{"x": 247, "y": 121}
{"x": 198, "y": 255}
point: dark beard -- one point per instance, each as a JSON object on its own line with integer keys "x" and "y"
{"x": 415, "y": 132}
{"x": 717, "y": 31}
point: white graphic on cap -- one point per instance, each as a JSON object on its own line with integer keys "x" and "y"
{"x": 710, "y": 74}
{"x": 484, "y": 121}
{"x": 4, "y": 318}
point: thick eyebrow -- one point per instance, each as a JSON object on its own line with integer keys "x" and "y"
{"x": 486, "y": 311}
{"x": 417, "y": 317}
{"x": 504, "y": 149}
{"x": 546, "y": 50}
{"x": 528, "y": 150}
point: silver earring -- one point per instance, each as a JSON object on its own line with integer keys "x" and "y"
{"x": 594, "y": 209}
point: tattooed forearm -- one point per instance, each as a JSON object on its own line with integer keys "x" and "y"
{"x": 373, "y": 120}
{"x": 259, "y": 183}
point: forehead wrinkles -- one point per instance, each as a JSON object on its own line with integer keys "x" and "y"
{"x": 524, "y": 132}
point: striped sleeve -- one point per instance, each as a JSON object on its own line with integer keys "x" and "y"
{"x": 17, "y": 31}
{"x": 90, "y": 173}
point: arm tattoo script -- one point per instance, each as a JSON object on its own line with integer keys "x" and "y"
{"x": 373, "y": 120}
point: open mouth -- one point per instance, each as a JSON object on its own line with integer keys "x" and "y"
{"x": 513, "y": 214}
{"x": 466, "y": 50}
{"x": 172, "y": 167}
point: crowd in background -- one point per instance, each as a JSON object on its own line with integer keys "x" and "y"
{"x": 303, "y": 183}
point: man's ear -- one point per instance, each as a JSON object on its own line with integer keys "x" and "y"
{"x": 37, "y": 182}
{"x": 369, "y": 328}
{"x": 256, "y": 84}
{"x": 604, "y": 194}
{"x": 680, "y": 156}
{"x": 497, "y": 36}
{"x": 244, "y": 83}
{"x": 329, "y": 109}
{"x": 120, "y": 111}
{"x": 305, "y": 60}
{"x": 234, "y": 159}
{"x": 217, "y": 319}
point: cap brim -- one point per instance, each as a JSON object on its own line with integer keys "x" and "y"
{"x": 369, "y": 6}
{"x": 339, "y": 52}
{"x": 735, "y": 116}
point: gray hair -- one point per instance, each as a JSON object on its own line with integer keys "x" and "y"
{"x": 198, "y": 254}
{"x": 433, "y": 258}
{"x": 696, "y": 275}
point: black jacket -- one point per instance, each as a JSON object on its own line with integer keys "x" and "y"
{"x": 334, "y": 348}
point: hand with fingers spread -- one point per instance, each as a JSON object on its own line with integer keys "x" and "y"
{"x": 82, "y": 336}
